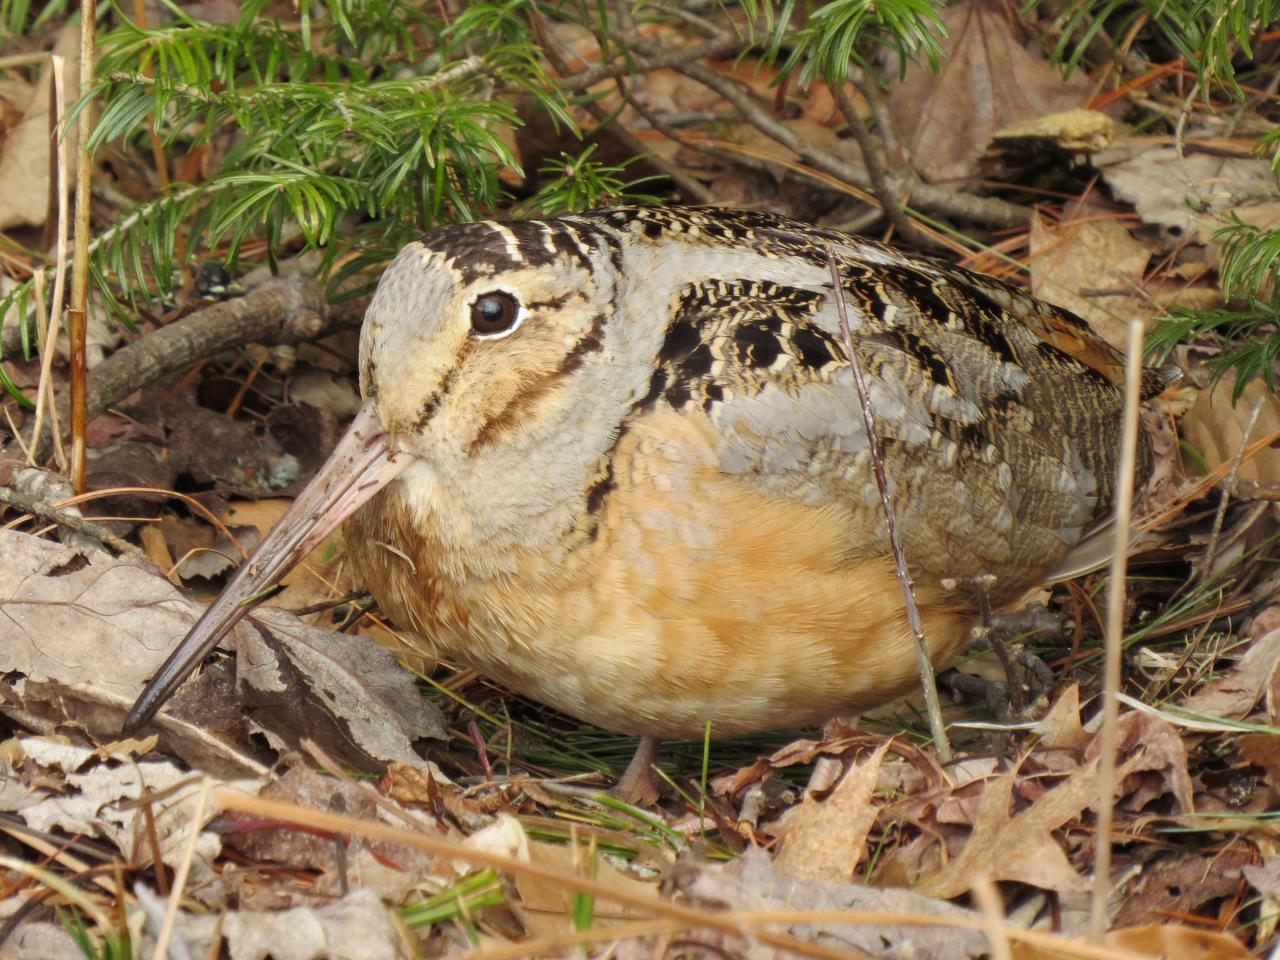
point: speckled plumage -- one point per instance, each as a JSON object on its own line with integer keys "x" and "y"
{"x": 651, "y": 503}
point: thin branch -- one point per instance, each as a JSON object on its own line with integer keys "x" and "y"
{"x": 990, "y": 210}
{"x": 282, "y": 311}
{"x": 885, "y": 127}
{"x": 67, "y": 517}
{"x": 874, "y": 159}
{"x": 928, "y": 681}
{"x": 687, "y": 185}
{"x": 722, "y": 46}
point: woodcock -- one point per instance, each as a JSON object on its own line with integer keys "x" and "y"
{"x": 616, "y": 462}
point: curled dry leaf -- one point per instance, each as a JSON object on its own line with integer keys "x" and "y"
{"x": 824, "y": 839}
{"x": 85, "y": 631}
{"x": 989, "y": 81}
{"x": 1215, "y": 427}
{"x": 95, "y": 796}
{"x": 1093, "y": 268}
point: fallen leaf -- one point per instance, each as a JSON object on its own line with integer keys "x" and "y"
{"x": 87, "y": 630}
{"x": 1215, "y": 427}
{"x": 1060, "y": 728}
{"x": 825, "y": 839}
{"x": 1168, "y": 190}
{"x": 95, "y": 794}
{"x": 1180, "y": 884}
{"x": 752, "y": 883}
{"x": 24, "y": 164}
{"x": 1233, "y": 696}
{"x": 358, "y": 925}
{"x": 989, "y": 80}
{"x": 41, "y": 941}
{"x": 1093, "y": 268}
{"x": 1021, "y": 846}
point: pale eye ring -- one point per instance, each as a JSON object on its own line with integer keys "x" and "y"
{"x": 495, "y": 314}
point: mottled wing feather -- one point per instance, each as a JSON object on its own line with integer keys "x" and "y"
{"x": 998, "y": 444}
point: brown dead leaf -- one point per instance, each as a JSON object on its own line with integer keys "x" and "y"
{"x": 201, "y": 551}
{"x": 1022, "y": 847}
{"x": 1093, "y": 268}
{"x": 24, "y": 164}
{"x": 1215, "y": 427}
{"x": 1233, "y": 696}
{"x": 388, "y": 868}
{"x": 824, "y": 839}
{"x": 1180, "y": 885}
{"x": 344, "y": 692}
{"x": 1060, "y": 728}
{"x": 1167, "y": 190}
{"x": 989, "y": 81}
{"x": 86, "y": 631}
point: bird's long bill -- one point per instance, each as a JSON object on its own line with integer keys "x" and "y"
{"x": 362, "y": 464}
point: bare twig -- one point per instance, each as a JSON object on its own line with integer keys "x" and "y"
{"x": 721, "y": 46}
{"x": 78, "y": 311}
{"x": 69, "y": 518}
{"x": 1115, "y": 636}
{"x": 989, "y": 210}
{"x": 895, "y": 153}
{"x": 282, "y": 311}
{"x": 927, "y": 679}
{"x": 687, "y": 185}
{"x": 874, "y": 160}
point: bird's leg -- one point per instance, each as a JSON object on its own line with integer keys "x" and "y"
{"x": 992, "y": 631}
{"x": 636, "y": 786}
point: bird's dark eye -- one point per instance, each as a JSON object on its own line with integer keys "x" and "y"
{"x": 494, "y": 313}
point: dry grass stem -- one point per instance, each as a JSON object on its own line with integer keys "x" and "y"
{"x": 180, "y": 875}
{"x": 77, "y": 315}
{"x": 48, "y": 320}
{"x": 927, "y": 679}
{"x": 987, "y": 896}
{"x": 1115, "y": 635}
{"x": 734, "y": 923}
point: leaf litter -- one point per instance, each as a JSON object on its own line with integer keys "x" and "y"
{"x": 858, "y": 821}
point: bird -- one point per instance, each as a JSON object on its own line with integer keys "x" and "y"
{"x": 616, "y": 461}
